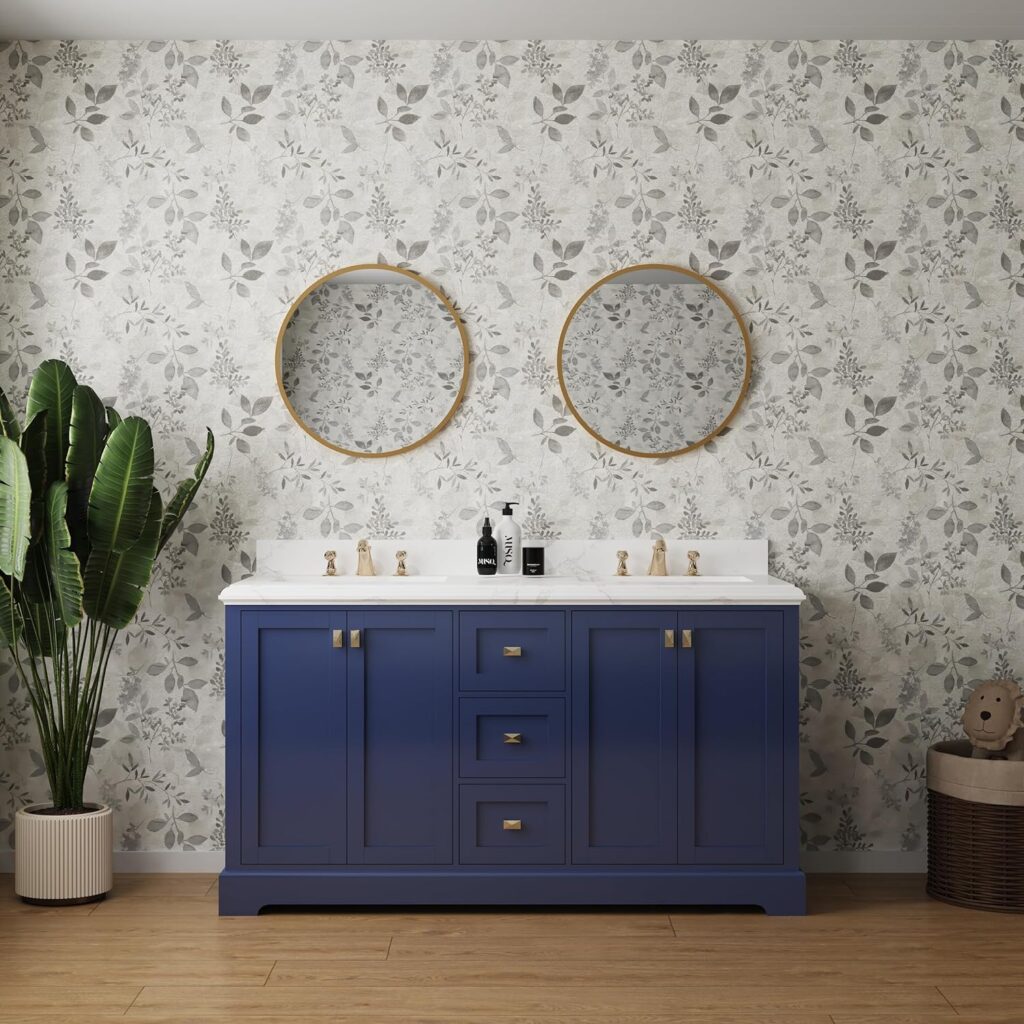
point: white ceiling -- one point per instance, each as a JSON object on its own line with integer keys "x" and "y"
{"x": 512, "y": 19}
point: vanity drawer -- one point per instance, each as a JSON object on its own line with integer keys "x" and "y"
{"x": 512, "y": 737}
{"x": 514, "y": 650}
{"x": 506, "y": 824}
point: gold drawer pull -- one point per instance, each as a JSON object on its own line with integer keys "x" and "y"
{"x": 670, "y": 638}
{"x": 687, "y": 637}
{"x": 357, "y": 638}
{"x": 513, "y": 737}
{"x": 512, "y": 652}
{"x": 337, "y": 638}
{"x": 512, "y": 825}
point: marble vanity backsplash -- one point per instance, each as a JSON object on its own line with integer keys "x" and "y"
{"x": 585, "y": 559}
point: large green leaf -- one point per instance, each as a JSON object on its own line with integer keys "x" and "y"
{"x": 65, "y": 573}
{"x": 115, "y": 582}
{"x": 15, "y": 500}
{"x": 11, "y": 623}
{"x": 113, "y": 418}
{"x": 85, "y": 446}
{"x": 185, "y": 492}
{"x": 121, "y": 495}
{"x": 86, "y": 436}
{"x": 33, "y": 444}
{"x": 9, "y": 425}
{"x": 52, "y": 388}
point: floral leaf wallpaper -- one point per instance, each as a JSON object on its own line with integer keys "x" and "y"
{"x": 163, "y": 203}
{"x": 653, "y": 367}
{"x": 372, "y": 367}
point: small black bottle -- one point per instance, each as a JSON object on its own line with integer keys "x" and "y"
{"x": 486, "y": 552}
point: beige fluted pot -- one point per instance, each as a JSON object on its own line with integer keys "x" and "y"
{"x": 63, "y": 858}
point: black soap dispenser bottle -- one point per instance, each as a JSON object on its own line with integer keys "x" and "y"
{"x": 486, "y": 551}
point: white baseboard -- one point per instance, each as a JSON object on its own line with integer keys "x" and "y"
{"x": 818, "y": 862}
{"x": 872, "y": 862}
{"x": 151, "y": 861}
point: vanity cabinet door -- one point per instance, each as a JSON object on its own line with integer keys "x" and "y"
{"x": 731, "y": 756}
{"x": 400, "y": 737}
{"x": 624, "y": 737}
{"x": 292, "y": 751}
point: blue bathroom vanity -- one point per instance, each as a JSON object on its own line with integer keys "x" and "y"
{"x": 463, "y": 742}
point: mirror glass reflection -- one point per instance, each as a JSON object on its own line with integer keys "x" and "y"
{"x": 372, "y": 360}
{"x": 654, "y": 360}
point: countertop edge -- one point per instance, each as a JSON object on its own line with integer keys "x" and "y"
{"x": 249, "y": 594}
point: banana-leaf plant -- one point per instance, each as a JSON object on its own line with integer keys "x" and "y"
{"x": 81, "y": 525}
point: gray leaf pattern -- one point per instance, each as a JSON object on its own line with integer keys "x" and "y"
{"x": 164, "y": 202}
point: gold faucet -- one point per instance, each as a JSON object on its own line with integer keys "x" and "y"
{"x": 364, "y": 560}
{"x": 693, "y": 570}
{"x": 658, "y": 566}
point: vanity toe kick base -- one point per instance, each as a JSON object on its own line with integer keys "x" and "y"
{"x": 468, "y": 755}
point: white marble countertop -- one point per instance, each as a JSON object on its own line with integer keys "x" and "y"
{"x": 580, "y": 572}
{"x": 510, "y": 590}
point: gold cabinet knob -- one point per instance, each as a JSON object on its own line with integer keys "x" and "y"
{"x": 512, "y": 825}
{"x": 337, "y": 638}
{"x": 356, "y": 638}
{"x": 513, "y": 737}
{"x": 687, "y": 637}
{"x": 670, "y": 638}
{"x": 512, "y": 652}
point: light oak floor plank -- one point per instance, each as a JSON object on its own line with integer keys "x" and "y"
{"x": 128, "y": 970}
{"x": 95, "y": 999}
{"x": 992, "y": 993}
{"x": 357, "y": 1017}
{"x": 874, "y": 950}
{"x": 400, "y": 1001}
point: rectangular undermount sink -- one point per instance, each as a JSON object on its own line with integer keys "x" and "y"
{"x": 333, "y": 581}
{"x": 656, "y": 580}
{"x": 401, "y": 579}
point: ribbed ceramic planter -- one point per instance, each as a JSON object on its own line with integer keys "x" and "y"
{"x": 63, "y": 858}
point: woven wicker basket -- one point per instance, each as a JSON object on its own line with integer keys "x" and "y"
{"x": 975, "y": 829}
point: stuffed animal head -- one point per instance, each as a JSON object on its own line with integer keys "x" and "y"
{"x": 994, "y": 712}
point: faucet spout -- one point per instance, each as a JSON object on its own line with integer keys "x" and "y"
{"x": 658, "y": 566}
{"x": 364, "y": 560}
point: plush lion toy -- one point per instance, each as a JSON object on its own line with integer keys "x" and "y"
{"x": 994, "y": 720}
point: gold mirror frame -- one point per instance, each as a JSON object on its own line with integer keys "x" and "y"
{"x": 744, "y": 388}
{"x": 438, "y": 294}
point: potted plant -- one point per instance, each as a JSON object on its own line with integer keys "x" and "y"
{"x": 81, "y": 525}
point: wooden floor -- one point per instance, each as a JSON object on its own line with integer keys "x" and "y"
{"x": 874, "y": 950}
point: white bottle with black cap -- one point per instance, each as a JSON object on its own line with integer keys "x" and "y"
{"x": 510, "y": 543}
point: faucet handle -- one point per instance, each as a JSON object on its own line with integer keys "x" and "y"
{"x": 620, "y": 569}
{"x": 693, "y": 570}
{"x": 332, "y": 569}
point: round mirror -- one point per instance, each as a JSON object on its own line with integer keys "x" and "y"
{"x": 654, "y": 360}
{"x": 372, "y": 360}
